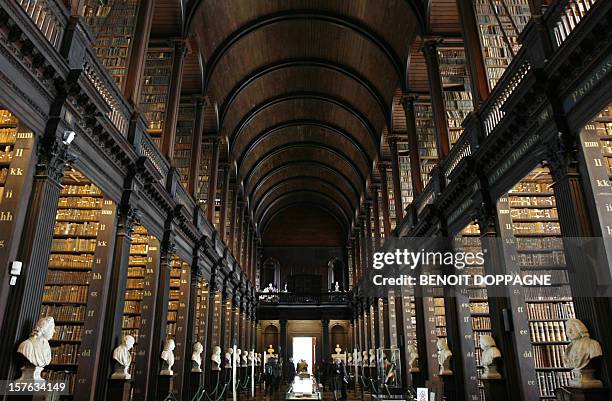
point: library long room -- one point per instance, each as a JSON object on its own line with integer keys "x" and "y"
{"x": 269, "y": 200}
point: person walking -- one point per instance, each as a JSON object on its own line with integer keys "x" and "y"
{"x": 339, "y": 380}
{"x": 269, "y": 369}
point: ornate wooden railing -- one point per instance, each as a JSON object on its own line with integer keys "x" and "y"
{"x": 48, "y": 16}
{"x": 570, "y": 13}
{"x": 461, "y": 149}
{"x": 151, "y": 151}
{"x": 98, "y": 76}
{"x": 492, "y": 111}
{"x": 288, "y": 298}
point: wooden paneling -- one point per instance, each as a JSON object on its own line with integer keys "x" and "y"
{"x": 303, "y": 226}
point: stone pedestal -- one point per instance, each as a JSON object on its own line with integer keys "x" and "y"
{"x": 494, "y": 390}
{"x": 119, "y": 390}
{"x": 165, "y": 384}
{"x": 582, "y": 394}
{"x": 449, "y": 392}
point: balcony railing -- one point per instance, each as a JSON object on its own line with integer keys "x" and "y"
{"x": 570, "y": 15}
{"x": 288, "y": 298}
{"x": 105, "y": 86}
{"x": 493, "y": 112}
{"x": 47, "y": 15}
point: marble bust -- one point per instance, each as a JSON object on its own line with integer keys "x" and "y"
{"x": 36, "y": 350}
{"x": 581, "y": 350}
{"x": 350, "y": 360}
{"x": 196, "y": 357}
{"x": 270, "y": 350}
{"x": 238, "y": 357}
{"x": 444, "y": 356}
{"x": 244, "y": 359}
{"x": 251, "y": 358}
{"x": 337, "y": 288}
{"x": 413, "y": 359}
{"x": 365, "y": 359}
{"x": 216, "y": 358}
{"x": 490, "y": 353}
{"x": 338, "y": 349}
{"x": 372, "y": 358}
{"x": 358, "y": 359}
{"x": 123, "y": 357}
{"x": 228, "y": 358}
{"x": 167, "y": 357}
{"x": 258, "y": 359}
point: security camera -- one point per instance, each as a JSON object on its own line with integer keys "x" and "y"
{"x": 68, "y": 137}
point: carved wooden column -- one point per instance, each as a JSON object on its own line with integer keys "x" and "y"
{"x": 495, "y": 264}
{"x": 283, "y": 340}
{"x": 413, "y": 146}
{"x": 363, "y": 246}
{"x": 325, "y": 348}
{"x": 395, "y": 178}
{"x": 437, "y": 97}
{"x": 174, "y": 97}
{"x": 357, "y": 253}
{"x": 196, "y": 149}
{"x": 376, "y": 217}
{"x": 368, "y": 231}
{"x": 225, "y": 168}
{"x": 211, "y": 308}
{"x": 212, "y": 181}
{"x": 192, "y": 381}
{"x": 575, "y": 221}
{"x": 384, "y": 193}
{"x": 113, "y": 318}
{"x": 473, "y": 53}
{"x": 25, "y": 295}
{"x": 168, "y": 247}
{"x": 238, "y": 229}
{"x": 138, "y": 52}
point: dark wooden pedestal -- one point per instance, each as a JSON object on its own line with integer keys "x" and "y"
{"x": 582, "y": 394}
{"x": 449, "y": 387}
{"x": 194, "y": 383}
{"x": 495, "y": 390}
{"x": 119, "y": 390}
{"x": 164, "y": 386}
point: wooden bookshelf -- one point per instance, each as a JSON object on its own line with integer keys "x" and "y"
{"x": 473, "y": 310}
{"x": 155, "y": 88}
{"x": 203, "y": 180}
{"x": 426, "y": 139}
{"x": 391, "y": 199}
{"x": 405, "y": 174}
{"x": 78, "y": 265}
{"x": 218, "y": 194}
{"x": 138, "y": 299}
{"x": 201, "y": 316}
{"x": 112, "y": 26}
{"x": 229, "y": 323}
{"x": 183, "y": 141}
{"x": 178, "y": 307}
{"x": 456, "y": 89}
{"x": 381, "y": 218}
{"x": 500, "y": 23}
{"x": 536, "y": 246}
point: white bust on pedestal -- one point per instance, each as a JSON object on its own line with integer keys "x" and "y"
{"x": 258, "y": 359}
{"x": 372, "y": 358}
{"x": 444, "y": 356}
{"x": 196, "y": 357}
{"x": 167, "y": 357}
{"x": 123, "y": 357}
{"x": 490, "y": 353}
{"x": 238, "y": 357}
{"x": 244, "y": 359}
{"x": 228, "y": 358}
{"x": 216, "y": 358}
{"x": 365, "y": 360}
{"x": 36, "y": 350}
{"x": 350, "y": 360}
{"x": 413, "y": 359}
{"x": 579, "y": 354}
{"x": 251, "y": 358}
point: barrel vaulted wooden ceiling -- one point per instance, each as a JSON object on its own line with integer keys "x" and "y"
{"x": 305, "y": 91}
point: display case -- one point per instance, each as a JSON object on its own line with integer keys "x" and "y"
{"x": 303, "y": 388}
{"x": 388, "y": 361}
